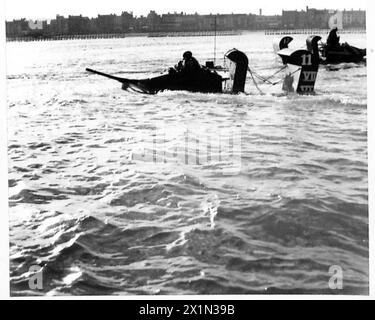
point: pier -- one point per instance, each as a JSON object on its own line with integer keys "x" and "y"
{"x": 194, "y": 34}
{"x": 123, "y": 35}
{"x": 310, "y": 31}
{"x": 76, "y": 37}
{"x": 176, "y": 34}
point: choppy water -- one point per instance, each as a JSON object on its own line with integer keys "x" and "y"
{"x": 101, "y": 219}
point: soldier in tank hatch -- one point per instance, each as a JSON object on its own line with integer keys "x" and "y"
{"x": 333, "y": 40}
{"x": 189, "y": 64}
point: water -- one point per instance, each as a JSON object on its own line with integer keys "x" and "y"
{"x": 100, "y": 219}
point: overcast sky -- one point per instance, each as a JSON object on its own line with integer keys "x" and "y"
{"x": 45, "y": 9}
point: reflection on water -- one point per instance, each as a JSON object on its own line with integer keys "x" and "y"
{"x": 100, "y": 218}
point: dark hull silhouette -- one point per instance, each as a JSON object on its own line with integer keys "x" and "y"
{"x": 342, "y": 54}
{"x": 205, "y": 81}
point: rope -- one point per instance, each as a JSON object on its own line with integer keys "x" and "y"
{"x": 267, "y": 79}
{"x": 289, "y": 74}
{"x": 256, "y": 85}
{"x": 262, "y": 79}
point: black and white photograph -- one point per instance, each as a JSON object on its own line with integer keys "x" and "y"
{"x": 168, "y": 148}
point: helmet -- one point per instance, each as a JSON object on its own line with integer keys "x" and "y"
{"x": 187, "y": 55}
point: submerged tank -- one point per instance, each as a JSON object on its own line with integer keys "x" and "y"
{"x": 343, "y": 53}
{"x": 328, "y": 54}
{"x": 205, "y": 80}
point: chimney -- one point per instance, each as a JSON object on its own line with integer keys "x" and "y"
{"x": 260, "y": 12}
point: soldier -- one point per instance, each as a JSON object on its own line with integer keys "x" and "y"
{"x": 333, "y": 41}
{"x": 189, "y": 64}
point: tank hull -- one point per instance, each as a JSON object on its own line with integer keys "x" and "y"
{"x": 342, "y": 54}
{"x": 204, "y": 81}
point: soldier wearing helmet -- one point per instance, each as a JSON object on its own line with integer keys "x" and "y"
{"x": 189, "y": 64}
{"x": 333, "y": 40}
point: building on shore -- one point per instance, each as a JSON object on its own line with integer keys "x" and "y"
{"x": 318, "y": 19}
{"x": 17, "y": 28}
{"x": 58, "y": 26}
{"x": 182, "y": 22}
{"x": 354, "y": 18}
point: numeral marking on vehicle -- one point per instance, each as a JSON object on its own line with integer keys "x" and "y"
{"x": 309, "y": 76}
{"x": 306, "y": 60}
{"x": 307, "y": 88}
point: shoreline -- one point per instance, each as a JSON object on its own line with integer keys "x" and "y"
{"x": 179, "y": 34}
{"x": 124, "y": 35}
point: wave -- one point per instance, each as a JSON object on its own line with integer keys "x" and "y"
{"x": 99, "y": 221}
